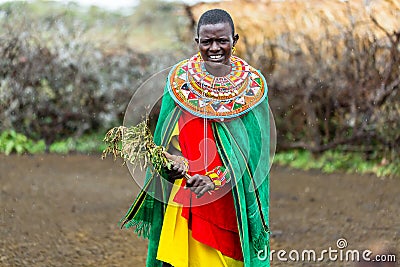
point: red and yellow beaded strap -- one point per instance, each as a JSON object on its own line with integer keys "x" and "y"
{"x": 219, "y": 176}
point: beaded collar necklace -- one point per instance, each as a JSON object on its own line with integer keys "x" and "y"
{"x": 214, "y": 97}
{"x": 223, "y": 87}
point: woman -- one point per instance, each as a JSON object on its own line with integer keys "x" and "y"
{"x": 214, "y": 122}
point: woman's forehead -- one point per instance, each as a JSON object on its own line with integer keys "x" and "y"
{"x": 214, "y": 30}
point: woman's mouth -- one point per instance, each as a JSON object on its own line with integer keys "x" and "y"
{"x": 215, "y": 57}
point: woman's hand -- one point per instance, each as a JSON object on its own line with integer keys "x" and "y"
{"x": 178, "y": 168}
{"x": 200, "y": 184}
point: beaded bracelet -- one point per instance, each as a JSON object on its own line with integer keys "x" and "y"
{"x": 219, "y": 175}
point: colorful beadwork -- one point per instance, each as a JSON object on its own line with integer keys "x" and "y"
{"x": 219, "y": 176}
{"x": 208, "y": 96}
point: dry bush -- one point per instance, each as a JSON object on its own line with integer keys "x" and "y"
{"x": 336, "y": 90}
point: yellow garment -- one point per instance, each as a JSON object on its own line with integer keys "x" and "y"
{"x": 177, "y": 246}
{"x": 174, "y": 141}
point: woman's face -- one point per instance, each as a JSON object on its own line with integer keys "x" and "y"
{"x": 215, "y": 42}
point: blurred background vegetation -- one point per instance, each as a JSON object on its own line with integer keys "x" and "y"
{"x": 67, "y": 73}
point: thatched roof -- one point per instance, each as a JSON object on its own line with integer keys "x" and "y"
{"x": 261, "y": 19}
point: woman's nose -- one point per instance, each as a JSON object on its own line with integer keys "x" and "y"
{"x": 214, "y": 46}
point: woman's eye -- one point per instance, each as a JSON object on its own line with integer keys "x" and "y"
{"x": 205, "y": 42}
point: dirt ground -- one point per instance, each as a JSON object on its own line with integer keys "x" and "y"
{"x": 64, "y": 211}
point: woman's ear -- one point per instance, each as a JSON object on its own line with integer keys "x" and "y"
{"x": 235, "y": 39}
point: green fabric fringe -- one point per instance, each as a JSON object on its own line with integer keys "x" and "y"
{"x": 141, "y": 228}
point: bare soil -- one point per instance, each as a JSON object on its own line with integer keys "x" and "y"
{"x": 64, "y": 211}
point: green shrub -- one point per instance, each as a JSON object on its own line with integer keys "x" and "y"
{"x": 335, "y": 160}
{"x": 84, "y": 144}
{"x": 11, "y": 141}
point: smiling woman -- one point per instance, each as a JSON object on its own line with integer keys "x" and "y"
{"x": 216, "y": 40}
{"x": 214, "y": 122}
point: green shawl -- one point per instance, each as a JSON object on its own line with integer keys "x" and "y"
{"x": 243, "y": 144}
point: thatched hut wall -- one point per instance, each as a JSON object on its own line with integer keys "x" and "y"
{"x": 258, "y": 21}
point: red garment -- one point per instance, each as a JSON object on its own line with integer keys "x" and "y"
{"x": 212, "y": 218}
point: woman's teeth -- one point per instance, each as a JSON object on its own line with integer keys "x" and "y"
{"x": 216, "y": 57}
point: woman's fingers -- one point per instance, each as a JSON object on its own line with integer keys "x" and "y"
{"x": 194, "y": 181}
{"x": 198, "y": 189}
{"x": 176, "y": 171}
{"x": 167, "y": 155}
{"x": 203, "y": 191}
{"x": 199, "y": 184}
{"x": 178, "y": 168}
